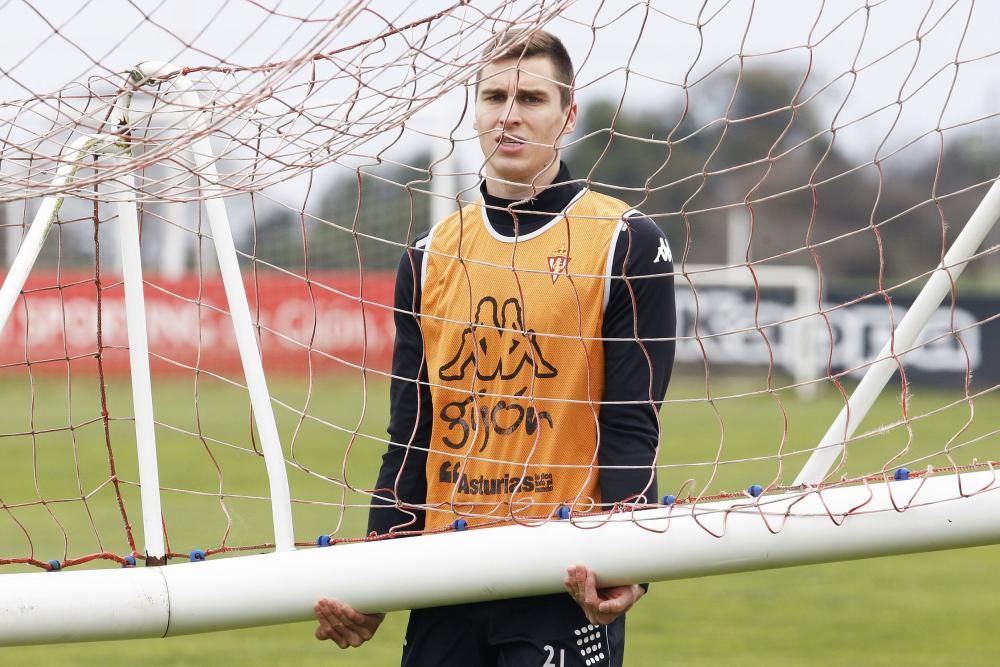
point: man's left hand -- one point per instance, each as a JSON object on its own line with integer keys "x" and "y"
{"x": 601, "y": 605}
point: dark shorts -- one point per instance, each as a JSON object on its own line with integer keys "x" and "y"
{"x": 545, "y": 631}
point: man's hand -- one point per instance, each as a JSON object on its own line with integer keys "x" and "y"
{"x": 602, "y": 606}
{"x": 343, "y": 624}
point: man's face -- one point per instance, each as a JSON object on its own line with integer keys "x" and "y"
{"x": 520, "y": 120}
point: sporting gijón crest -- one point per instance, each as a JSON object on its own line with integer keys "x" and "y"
{"x": 558, "y": 264}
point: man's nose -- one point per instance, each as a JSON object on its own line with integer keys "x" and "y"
{"x": 511, "y": 113}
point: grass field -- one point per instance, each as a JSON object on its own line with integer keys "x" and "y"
{"x": 930, "y": 609}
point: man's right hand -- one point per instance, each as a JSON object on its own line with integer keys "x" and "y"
{"x": 343, "y": 624}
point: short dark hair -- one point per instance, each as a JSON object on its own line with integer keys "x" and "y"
{"x": 522, "y": 44}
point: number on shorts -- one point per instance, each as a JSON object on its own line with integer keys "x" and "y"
{"x": 551, "y": 656}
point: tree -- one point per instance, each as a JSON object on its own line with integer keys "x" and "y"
{"x": 361, "y": 219}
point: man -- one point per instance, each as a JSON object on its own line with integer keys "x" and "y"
{"x": 533, "y": 348}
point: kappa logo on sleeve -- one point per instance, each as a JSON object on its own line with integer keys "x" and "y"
{"x": 663, "y": 252}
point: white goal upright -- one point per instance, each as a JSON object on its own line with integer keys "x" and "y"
{"x": 225, "y": 406}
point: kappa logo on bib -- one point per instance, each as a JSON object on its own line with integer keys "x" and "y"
{"x": 497, "y": 345}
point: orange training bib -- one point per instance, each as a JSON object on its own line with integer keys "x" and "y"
{"x": 512, "y": 332}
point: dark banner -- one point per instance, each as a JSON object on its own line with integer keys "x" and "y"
{"x": 729, "y": 326}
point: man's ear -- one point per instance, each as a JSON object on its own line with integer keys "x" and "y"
{"x": 570, "y": 119}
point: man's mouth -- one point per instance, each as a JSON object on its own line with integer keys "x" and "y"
{"x": 508, "y": 140}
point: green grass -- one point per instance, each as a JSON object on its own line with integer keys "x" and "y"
{"x": 927, "y": 609}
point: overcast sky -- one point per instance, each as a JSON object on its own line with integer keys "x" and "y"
{"x": 645, "y": 52}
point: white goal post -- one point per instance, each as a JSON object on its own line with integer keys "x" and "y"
{"x": 203, "y": 159}
{"x": 904, "y": 336}
{"x": 797, "y": 528}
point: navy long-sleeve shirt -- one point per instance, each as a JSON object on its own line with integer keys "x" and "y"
{"x": 638, "y": 331}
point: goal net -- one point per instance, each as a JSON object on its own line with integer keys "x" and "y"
{"x": 201, "y": 218}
